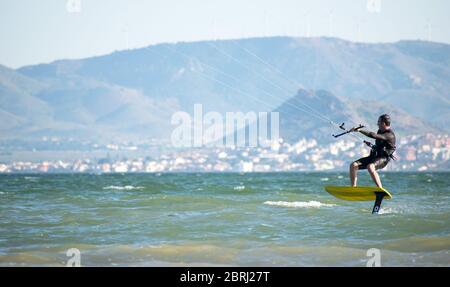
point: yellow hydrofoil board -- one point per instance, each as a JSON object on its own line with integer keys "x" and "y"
{"x": 359, "y": 193}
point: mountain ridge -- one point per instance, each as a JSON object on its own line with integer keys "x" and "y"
{"x": 223, "y": 75}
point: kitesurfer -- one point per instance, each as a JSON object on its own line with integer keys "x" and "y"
{"x": 380, "y": 154}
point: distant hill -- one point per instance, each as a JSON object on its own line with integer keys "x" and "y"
{"x": 132, "y": 94}
{"x": 77, "y": 107}
{"x": 299, "y": 117}
{"x": 18, "y": 105}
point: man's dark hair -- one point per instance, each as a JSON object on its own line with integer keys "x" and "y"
{"x": 385, "y": 119}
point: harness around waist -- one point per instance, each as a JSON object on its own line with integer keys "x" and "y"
{"x": 383, "y": 152}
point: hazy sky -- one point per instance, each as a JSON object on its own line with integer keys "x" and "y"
{"x": 36, "y": 31}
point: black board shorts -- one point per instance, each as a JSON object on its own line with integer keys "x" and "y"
{"x": 379, "y": 162}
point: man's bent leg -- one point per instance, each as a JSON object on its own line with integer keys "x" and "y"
{"x": 374, "y": 174}
{"x": 353, "y": 173}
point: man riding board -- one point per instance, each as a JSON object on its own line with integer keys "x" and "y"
{"x": 380, "y": 154}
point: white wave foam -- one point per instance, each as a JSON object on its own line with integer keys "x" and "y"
{"x": 126, "y": 187}
{"x": 239, "y": 187}
{"x": 324, "y": 179}
{"x": 306, "y": 204}
{"x": 389, "y": 210}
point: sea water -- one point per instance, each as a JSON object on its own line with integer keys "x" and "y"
{"x": 220, "y": 219}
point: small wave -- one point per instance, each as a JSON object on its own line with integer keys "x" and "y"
{"x": 126, "y": 187}
{"x": 239, "y": 187}
{"x": 306, "y": 204}
{"x": 324, "y": 179}
{"x": 1, "y": 192}
{"x": 389, "y": 210}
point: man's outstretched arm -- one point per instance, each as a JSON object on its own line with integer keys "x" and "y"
{"x": 375, "y": 135}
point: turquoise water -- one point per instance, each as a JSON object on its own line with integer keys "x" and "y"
{"x": 262, "y": 219}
